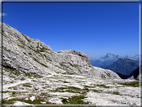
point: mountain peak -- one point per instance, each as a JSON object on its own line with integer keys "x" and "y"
{"x": 109, "y": 56}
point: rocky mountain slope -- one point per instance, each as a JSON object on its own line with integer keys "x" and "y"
{"x": 34, "y": 74}
{"x": 134, "y": 74}
{"x": 28, "y": 55}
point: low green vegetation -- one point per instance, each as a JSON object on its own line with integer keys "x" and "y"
{"x": 26, "y": 38}
{"x": 22, "y": 78}
{"x": 108, "y": 74}
{"x": 103, "y": 76}
{"x": 47, "y": 58}
{"x": 71, "y": 90}
{"x": 6, "y": 49}
{"x": 132, "y": 84}
{"x": 45, "y": 94}
{"x": 115, "y": 101}
{"x": 27, "y": 85}
{"x": 68, "y": 89}
{"x": 38, "y": 100}
{"x": 66, "y": 82}
{"x": 14, "y": 72}
{"x": 64, "y": 67}
{"x": 70, "y": 73}
{"x": 76, "y": 66}
{"x": 116, "y": 93}
{"x": 35, "y": 75}
{"x": 8, "y": 26}
{"x": 41, "y": 63}
{"x": 42, "y": 49}
{"x": 21, "y": 46}
{"x": 4, "y": 101}
{"x": 102, "y": 85}
{"x": 35, "y": 50}
{"x": 97, "y": 91}
{"x": 74, "y": 100}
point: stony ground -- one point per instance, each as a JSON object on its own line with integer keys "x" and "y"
{"x": 21, "y": 88}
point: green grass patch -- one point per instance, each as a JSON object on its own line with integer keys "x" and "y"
{"x": 41, "y": 63}
{"x": 36, "y": 101}
{"x": 35, "y": 75}
{"x": 47, "y": 58}
{"x": 6, "y": 49}
{"x": 108, "y": 74}
{"x": 26, "y": 38}
{"x": 21, "y": 46}
{"x": 8, "y": 26}
{"x": 22, "y": 78}
{"x": 68, "y": 89}
{"x": 103, "y": 76}
{"x": 71, "y": 90}
{"x": 116, "y": 93}
{"x": 8, "y": 69}
{"x": 97, "y": 91}
{"x": 45, "y": 94}
{"x": 76, "y": 66}
{"x": 42, "y": 49}
{"x": 66, "y": 82}
{"x": 74, "y": 100}
{"x": 102, "y": 85}
{"x": 132, "y": 84}
{"x": 27, "y": 85}
{"x": 70, "y": 73}
{"x": 9, "y": 101}
{"x": 12, "y": 71}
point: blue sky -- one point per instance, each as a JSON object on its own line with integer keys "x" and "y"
{"x": 93, "y": 28}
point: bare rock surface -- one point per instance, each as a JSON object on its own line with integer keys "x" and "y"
{"x": 33, "y": 73}
{"x": 27, "y": 55}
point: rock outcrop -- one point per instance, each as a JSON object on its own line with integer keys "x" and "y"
{"x": 31, "y": 55}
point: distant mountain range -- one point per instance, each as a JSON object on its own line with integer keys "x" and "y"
{"x": 123, "y": 66}
{"x": 134, "y": 74}
{"x": 109, "y": 58}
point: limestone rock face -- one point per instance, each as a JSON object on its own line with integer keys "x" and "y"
{"x": 83, "y": 56}
{"x": 25, "y": 54}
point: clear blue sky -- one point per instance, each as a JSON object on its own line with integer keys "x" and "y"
{"x": 93, "y": 28}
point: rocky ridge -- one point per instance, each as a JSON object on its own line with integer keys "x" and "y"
{"x": 34, "y": 74}
{"x": 31, "y": 55}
